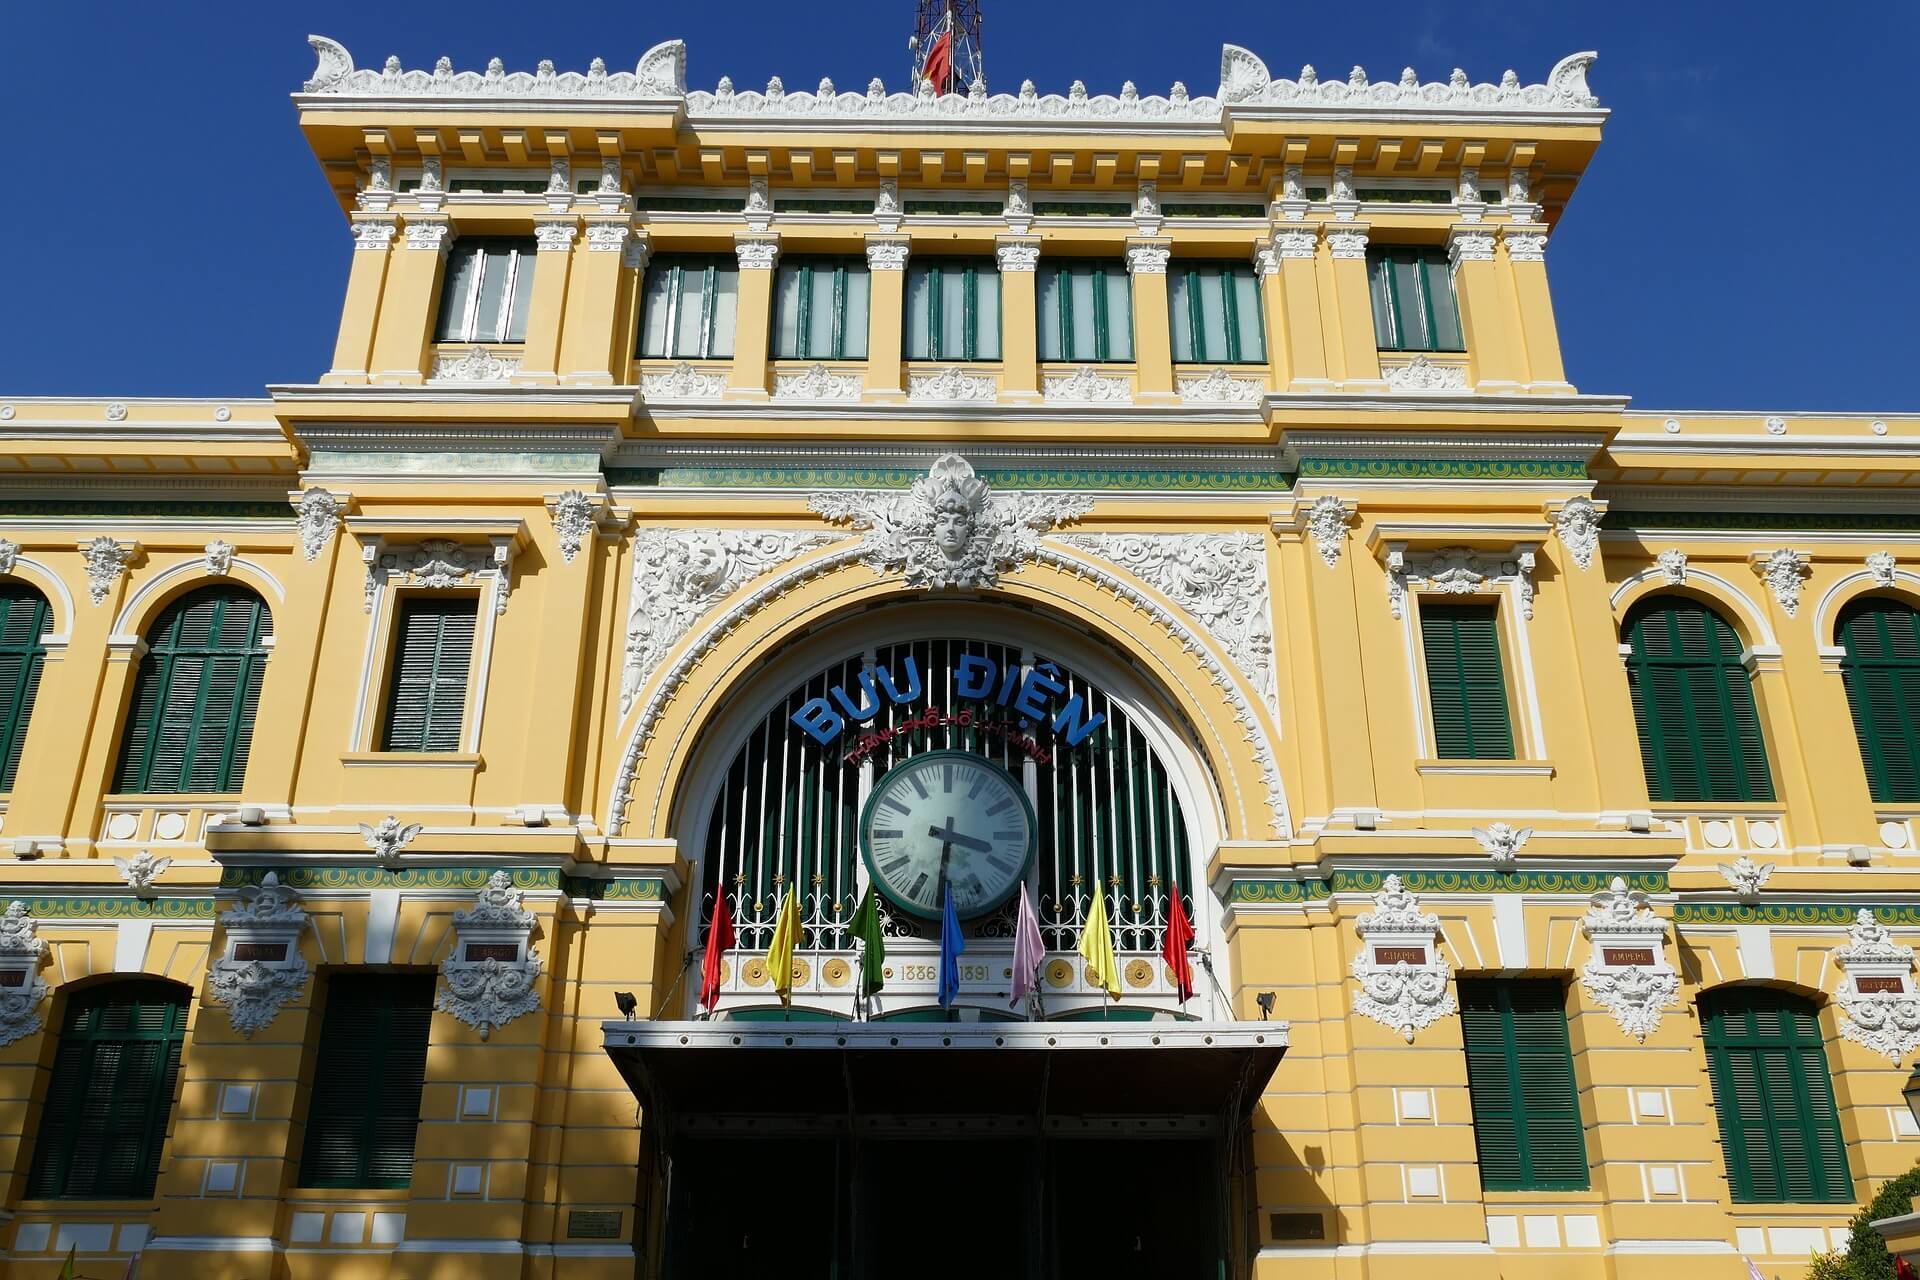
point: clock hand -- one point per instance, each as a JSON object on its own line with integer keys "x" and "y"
{"x": 947, "y": 835}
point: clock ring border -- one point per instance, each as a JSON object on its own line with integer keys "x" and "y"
{"x": 875, "y": 879}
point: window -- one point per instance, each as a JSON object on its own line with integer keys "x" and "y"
{"x": 367, "y": 1076}
{"x": 1216, "y": 314}
{"x": 1774, "y": 1097}
{"x": 1413, "y": 306}
{"x": 489, "y": 281}
{"x": 1693, "y": 703}
{"x": 1526, "y": 1107}
{"x": 111, "y": 1093}
{"x": 427, "y": 691}
{"x": 820, "y": 309}
{"x": 953, "y": 310}
{"x": 690, "y": 305}
{"x": 1882, "y": 674}
{"x": 196, "y": 694}
{"x": 1465, "y": 682}
{"x": 24, "y": 617}
{"x": 1086, "y": 312}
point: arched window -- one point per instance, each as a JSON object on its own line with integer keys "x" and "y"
{"x": 195, "y": 697}
{"x": 1882, "y": 674}
{"x": 105, "y": 1118}
{"x": 1778, "y": 1125}
{"x": 23, "y": 621}
{"x": 1693, "y": 702}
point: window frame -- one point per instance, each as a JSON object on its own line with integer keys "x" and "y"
{"x": 1729, "y": 698}
{"x": 1883, "y": 785}
{"x": 1529, "y": 1118}
{"x": 522, "y": 255}
{"x": 1797, "y": 1052}
{"x": 238, "y": 741}
{"x": 1189, "y": 272}
{"x": 1489, "y": 605}
{"x": 809, "y": 268}
{"x": 405, "y": 601}
{"x": 1382, "y": 288}
{"x": 971, "y": 269}
{"x": 711, "y": 265}
{"x": 18, "y": 695}
{"x": 1103, "y": 330}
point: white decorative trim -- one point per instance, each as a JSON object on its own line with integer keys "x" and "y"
{"x": 9, "y": 555}
{"x": 1020, "y": 255}
{"x": 679, "y": 574}
{"x": 437, "y": 564}
{"x": 317, "y": 519}
{"x": 1217, "y": 386}
{"x": 1266, "y": 259}
{"x": 1085, "y": 386}
{"x": 1578, "y": 525}
{"x": 1776, "y": 426}
{"x": 116, "y": 412}
{"x": 1622, "y": 919}
{"x": 683, "y": 382}
{"x": 555, "y": 235}
{"x": 490, "y": 992}
{"x": 607, "y": 237}
{"x": 638, "y": 249}
{"x": 887, "y": 210}
{"x": 1737, "y": 600}
{"x": 1881, "y": 564}
{"x": 477, "y": 365}
{"x": 1525, "y": 245}
{"x": 1400, "y": 994}
{"x": 1783, "y": 571}
{"x": 1327, "y": 520}
{"x": 1745, "y": 876}
{"x": 756, "y": 253}
{"x": 1502, "y": 841}
{"x": 1148, "y": 259}
{"x": 1469, "y": 244}
{"x": 1347, "y": 242}
{"x": 141, "y": 870}
{"x": 1396, "y": 564}
{"x": 949, "y": 530}
{"x": 952, "y": 385}
{"x": 254, "y": 990}
{"x": 374, "y": 233}
{"x": 573, "y": 515}
{"x": 21, "y": 952}
{"x": 1422, "y": 374}
{"x": 106, "y": 560}
{"x": 388, "y": 838}
{"x": 1220, "y": 579}
{"x": 1296, "y": 242}
{"x": 887, "y": 255}
{"x": 1888, "y": 1021}
{"x": 429, "y": 234}
{"x": 1673, "y": 566}
{"x": 816, "y": 383}
{"x": 218, "y": 558}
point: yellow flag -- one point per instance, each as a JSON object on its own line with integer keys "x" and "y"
{"x": 786, "y": 933}
{"x": 66, "y": 1270}
{"x": 1096, "y": 945}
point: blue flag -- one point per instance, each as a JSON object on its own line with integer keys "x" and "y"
{"x": 951, "y": 945}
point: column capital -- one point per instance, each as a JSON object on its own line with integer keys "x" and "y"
{"x": 608, "y": 235}
{"x": 637, "y": 250}
{"x": 888, "y": 253}
{"x": 1469, "y": 242}
{"x": 374, "y": 231}
{"x": 426, "y": 232}
{"x": 1348, "y": 239}
{"x": 1148, "y": 257}
{"x": 1017, "y": 253}
{"x": 1266, "y": 258}
{"x": 1296, "y": 241}
{"x": 757, "y": 252}
{"x": 553, "y": 234}
{"x": 1526, "y": 242}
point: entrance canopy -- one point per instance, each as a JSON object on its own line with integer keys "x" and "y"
{"x": 840, "y": 1074}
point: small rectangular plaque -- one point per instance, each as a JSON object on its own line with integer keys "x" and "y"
{"x": 13, "y": 977}
{"x": 1399, "y": 955}
{"x": 1296, "y": 1226}
{"x": 593, "y": 1224}
{"x": 266, "y": 952}
{"x": 493, "y": 951}
{"x": 1882, "y": 983}
{"x": 1626, "y": 955}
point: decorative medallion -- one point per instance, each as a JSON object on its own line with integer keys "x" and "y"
{"x": 141, "y": 870}
{"x": 1878, "y": 1004}
{"x": 1673, "y": 566}
{"x": 1628, "y": 972}
{"x": 1403, "y": 981}
{"x": 1745, "y": 876}
{"x": 262, "y": 968}
{"x": 219, "y": 558}
{"x": 1502, "y": 843}
{"x": 1578, "y": 524}
{"x": 1880, "y": 564}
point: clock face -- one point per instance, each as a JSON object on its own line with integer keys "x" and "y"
{"x": 950, "y": 808}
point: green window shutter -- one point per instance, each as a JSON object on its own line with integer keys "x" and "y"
{"x": 368, "y": 1072}
{"x": 1414, "y": 308}
{"x": 1466, "y": 684}
{"x": 1526, "y": 1105}
{"x": 1881, "y": 670}
{"x": 1693, "y": 705}
{"x": 820, "y": 309}
{"x": 196, "y": 695}
{"x": 108, "y": 1102}
{"x": 1214, "y": 314}
{"x": 1778, "y": 1124}
{"x": 24, "y": 617}
{"x": 427, "y": 690}
{"x": 953, "y": 310}
{"x": 1086, "y": 312}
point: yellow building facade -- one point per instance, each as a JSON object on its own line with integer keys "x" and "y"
{"x": 1539, "y": 774}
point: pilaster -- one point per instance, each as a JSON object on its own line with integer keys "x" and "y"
{"x": 373, "y": 236}
{"x": 546, "y": 310}
{"x": 1492, "y": 350}
{"x": 886, "y": 314}
{"x": 758, "y": 255}
{"x": 1273, "y": 314}
{"x": 1296, "y": 246}
{"x": 1019, "y": 258}
{"x": 1152, "y": 332}
{"x": 590, "y": 339}
{"x": 407, "y": 303}
{"x": 1355, "y": 349}
{"x": 1526, "y": 259}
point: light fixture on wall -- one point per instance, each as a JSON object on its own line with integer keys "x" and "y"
{"x": 627, "y": 1004}
{"x": 1265, "y": 1000}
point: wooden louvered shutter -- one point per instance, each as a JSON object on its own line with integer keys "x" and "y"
{"x": 1466, "y": 684}
{"x": 427, "y": 693}
{"x": 1881, "y": 671}
{"x": 196, "y": 695}
{"x": 23, "y": 621}
{"x": 367, "y": 1078}
{"x": 111, "y": 1095}
{"x": 1778, "y": 1124}
{"x": 1526, "y": 1106}
{"x": 1693, "y": 705}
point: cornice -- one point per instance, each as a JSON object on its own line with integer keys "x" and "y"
{"x": 1404, "y": 403}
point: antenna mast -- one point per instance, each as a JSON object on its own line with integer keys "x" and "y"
{"x": 958, "y": 23}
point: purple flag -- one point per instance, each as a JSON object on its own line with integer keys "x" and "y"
{"x": 1028, "y": 950}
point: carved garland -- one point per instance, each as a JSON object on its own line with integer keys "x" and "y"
{"x": 1403, "y": 981}
{"x": 1878, "y": 1004}
{"x": 491, "y": 972}
{"x": 1628, "y": 971}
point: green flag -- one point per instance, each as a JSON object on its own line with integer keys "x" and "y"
{"x": 865, "y": 926}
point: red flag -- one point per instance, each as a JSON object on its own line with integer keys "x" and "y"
{"x": 938, "y": 68}
{"x": 1174, "y": 949}
{"x": 1902, "y": 1269}
{"x": 719, "y": 939}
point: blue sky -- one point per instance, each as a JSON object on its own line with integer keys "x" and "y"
{"x": 1742, "y": 241}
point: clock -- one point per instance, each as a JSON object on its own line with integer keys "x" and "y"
{"x": 950, "y": 811}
